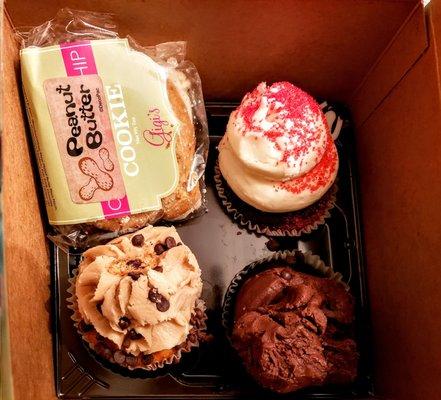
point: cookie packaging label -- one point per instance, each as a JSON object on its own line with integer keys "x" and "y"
{"x": 103, "y": 129}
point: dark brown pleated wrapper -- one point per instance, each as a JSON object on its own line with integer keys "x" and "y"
{"x": 295, "y": 223}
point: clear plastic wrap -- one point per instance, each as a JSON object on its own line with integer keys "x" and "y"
{"x": 74, "y": 67}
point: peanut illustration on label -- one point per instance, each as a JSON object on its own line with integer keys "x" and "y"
{"x": 85, "y": 139}
{"x": 98, "y": 178}
{"x": 105, "y": 158}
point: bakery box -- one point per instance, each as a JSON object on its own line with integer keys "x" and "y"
{"x": 378, "y": 62}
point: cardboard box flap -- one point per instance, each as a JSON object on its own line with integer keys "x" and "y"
{"x": 399, "y": 153}
{"x": 327, "y": 47}
{"x": 435, "y": 18}
{"x": 26, "y": 257}
{"x": 407, "y": 46}
{"x": 317, "y": 45}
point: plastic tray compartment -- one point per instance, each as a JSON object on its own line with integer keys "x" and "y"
{"x": 222, "y": 249}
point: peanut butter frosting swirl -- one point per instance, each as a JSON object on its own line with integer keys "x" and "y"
{"x": 139, "y": 290}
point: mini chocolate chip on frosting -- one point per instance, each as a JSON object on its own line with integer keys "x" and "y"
{"x": 170, "y": 242}
{"x": 138, "y": 296}
{"x": 137, "y": 240}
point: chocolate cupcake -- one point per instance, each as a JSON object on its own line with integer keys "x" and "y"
{"x": 279, "y": 159}
{"x": 136, "y": 300}
{"x": 292, "y": 329}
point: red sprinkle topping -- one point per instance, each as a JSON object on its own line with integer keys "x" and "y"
{"x": 294, "y": 114}
{"x": 317, "y": 177}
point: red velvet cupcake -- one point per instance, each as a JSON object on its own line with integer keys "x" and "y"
{"x": 278, "y": 157}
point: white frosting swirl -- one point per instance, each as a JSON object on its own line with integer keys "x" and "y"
{"x": 273, "y": 152}
{"x": 268, "y": 143}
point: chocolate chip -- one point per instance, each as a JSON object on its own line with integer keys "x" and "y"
{"x": 134, "y": 276}
{"x": 147, "y": 358}
{"x": 98, "y": 307}
{"x": 83, "y": 327}
{"x": 163, "y": 304}
{"x": 124, "y": 323}
{"x": 290, "y": 259}
{"x": 126, "y": 342}
{"x": 179, "y": 244}
{"x": 133, "y": 335}
{"x": 138, "y": 240}
{"x": 170, "y": 242}
{"x": 153, "y": 295}
{"x": 273, "y": 245}
{"x": 119, "y": 357}
{"x": 131, "y": 360}
{"x": 159, "y": 249}
{"x": 159, "y": 269}
{"x": 136, "y": 263}
{"x": 193, "y": 321}
{"x": 199, "y": 313}
{"x": 286, "y": 275}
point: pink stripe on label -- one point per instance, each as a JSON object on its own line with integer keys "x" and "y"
{"x": 79, "y": 60}
{"x": 116, "y": 208}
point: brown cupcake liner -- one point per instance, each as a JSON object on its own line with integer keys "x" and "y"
{"x": 294, "y": 223}
{"x": 109, "y": 351}
{"x": 305, "y": 262}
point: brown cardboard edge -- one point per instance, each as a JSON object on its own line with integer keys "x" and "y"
{"x": 401, "y": 224}
{"x": 6, "y": 390}
{"x": 25, "y": 271}
{"x": 386, "y": 73}
{"x": 42, "y": 375}
{"x": 434, "y": 11}
{"x": 288, "y": 41}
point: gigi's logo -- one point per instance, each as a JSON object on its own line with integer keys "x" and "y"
{"x": 161, "y": 133}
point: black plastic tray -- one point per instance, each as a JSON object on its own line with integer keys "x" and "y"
{"x": 222, "y": 249}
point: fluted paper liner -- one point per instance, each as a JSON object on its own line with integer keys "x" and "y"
{"x": 313, "y": 261}
{"x": 173, "y": 358}
{"x": 232, "y": 204}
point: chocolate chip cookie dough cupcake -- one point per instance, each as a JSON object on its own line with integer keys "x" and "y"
{"x": 136, "y": 299}
{"x": 277, "y": 162}
{"x": 290, "y": 319}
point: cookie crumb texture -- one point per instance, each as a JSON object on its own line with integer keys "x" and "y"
{"x": 293, "y": 330}
{"x": 138, "y": 298}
